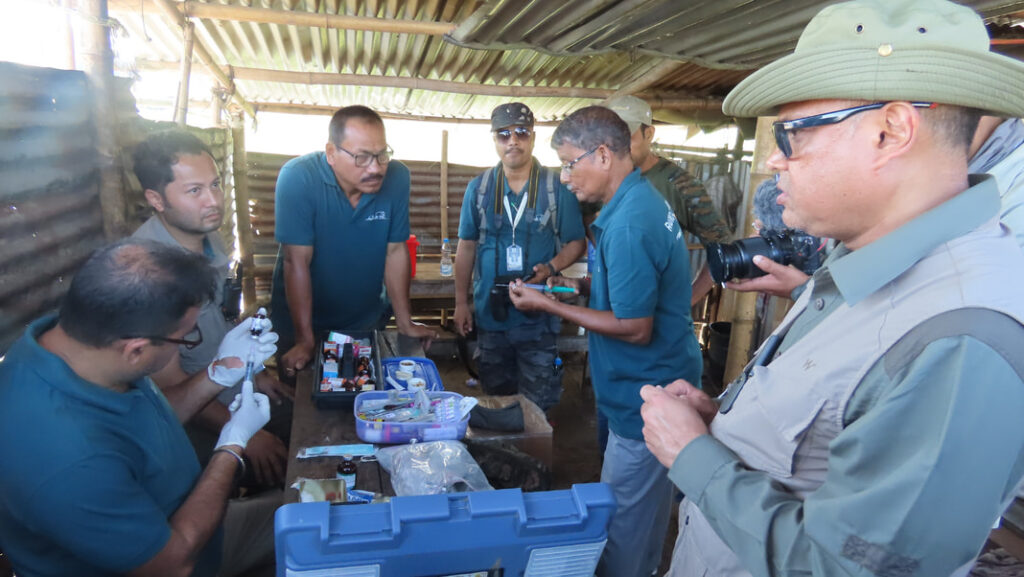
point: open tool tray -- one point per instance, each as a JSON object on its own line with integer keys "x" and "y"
{"x": 422, "y": 368}
{"x": 325, "y": 397}
{"x": 398, "y": 432}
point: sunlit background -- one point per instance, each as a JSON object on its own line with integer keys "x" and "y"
{"x": 35, "y": 33}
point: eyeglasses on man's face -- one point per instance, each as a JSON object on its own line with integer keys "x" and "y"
{"x": 190, "y": 340}
{"x": 363, "y": 159}
{"x": 521, "y": 132}
{"x": 567, "y": 167}
{"x": 783, "y": 129}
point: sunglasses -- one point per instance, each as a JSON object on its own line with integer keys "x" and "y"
{"x": 783, "y": 128}
{"x": 521, "y": 132}
{"x": 190, "y": 340}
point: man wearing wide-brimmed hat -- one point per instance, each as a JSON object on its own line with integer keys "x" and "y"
{"x": 877, "y": 430}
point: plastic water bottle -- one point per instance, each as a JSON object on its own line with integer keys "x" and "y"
{"x": 446, "y": 258}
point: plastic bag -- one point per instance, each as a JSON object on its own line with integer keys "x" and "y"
{"x": 432, "y": 468}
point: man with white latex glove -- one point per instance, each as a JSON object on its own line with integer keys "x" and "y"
{"x": 76, "y": 396}
{"x": 249, "y": 412}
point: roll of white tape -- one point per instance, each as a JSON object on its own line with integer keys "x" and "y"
{"x": 407, "y": 365}
{"x": 416, "y": 384}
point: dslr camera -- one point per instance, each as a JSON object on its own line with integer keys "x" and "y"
{"x": 736, "y": 260}
{"x": 500, "y": 301}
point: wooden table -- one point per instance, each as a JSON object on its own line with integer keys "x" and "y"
{"x": 312, "y": 426}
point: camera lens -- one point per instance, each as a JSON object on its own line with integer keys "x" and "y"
{"x": 729, "y": 261}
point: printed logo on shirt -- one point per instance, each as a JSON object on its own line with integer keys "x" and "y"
{"x": 670, "y": 221}
{"x": 379, "y": 215}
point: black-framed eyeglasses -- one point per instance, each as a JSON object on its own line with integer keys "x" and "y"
{"x": 521, "y": 132}
{"x": 363, "y": 159}
{"x": 190, "y": 340}
{"x": 567, "y": 167}
{"x": 783, "y": 128}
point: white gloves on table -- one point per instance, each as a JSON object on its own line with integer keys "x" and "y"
{"x": 237, "y": 343}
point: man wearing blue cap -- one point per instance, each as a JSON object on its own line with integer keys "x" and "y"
{"x": 876, "y": 432}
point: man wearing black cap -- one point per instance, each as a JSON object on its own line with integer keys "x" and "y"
{"x": 518, "y": 221}
{"x": 877, "y": 431}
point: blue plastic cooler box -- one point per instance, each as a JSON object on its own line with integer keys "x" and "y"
{"x": 504, "y": 533}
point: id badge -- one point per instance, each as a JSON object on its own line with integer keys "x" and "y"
{"x": 514, "y": 258}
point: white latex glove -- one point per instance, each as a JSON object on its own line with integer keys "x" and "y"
{"x": 249, "y": 412}
{"x": 236, "y": 345}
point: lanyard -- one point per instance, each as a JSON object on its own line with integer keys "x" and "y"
{"x": 530, "y": 198}
{"x": 519, "y": 214}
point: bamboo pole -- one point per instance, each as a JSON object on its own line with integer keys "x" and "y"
{"x": 97, "y": 61}
{"x": 171, "y": 11}
{"x": 181, "y": 105}
{"x": 329, "y": 78}
{"x": 444, "y": 184}
{"x": 240, "y": 176}
{"x": 744, "y": 315}
{"x": 69, "y": 36}
{"x": 209, "y": 11}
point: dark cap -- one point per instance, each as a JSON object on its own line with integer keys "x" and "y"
{"x": 511, "y": 114}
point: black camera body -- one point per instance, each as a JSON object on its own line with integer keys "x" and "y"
{"x": 787, "y": 247}
{"x": 500, "y": 301}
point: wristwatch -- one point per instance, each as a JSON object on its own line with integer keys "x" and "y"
{"x": 552, "y": 268}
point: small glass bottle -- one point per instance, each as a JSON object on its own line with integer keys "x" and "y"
{"x": 446, "y": 259}
{"x": 347, "y": 472}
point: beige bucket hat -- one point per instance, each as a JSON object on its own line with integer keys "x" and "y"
{"x": 632, "y": 110}
{"x": 881, "y": 50}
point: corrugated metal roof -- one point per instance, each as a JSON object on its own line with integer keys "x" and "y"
{"x": 555, "y": 56}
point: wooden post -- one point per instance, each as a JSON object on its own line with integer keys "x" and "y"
{"x": 242, "y": 217}
{"x": 444, "y": 202}
{"x": 97, "y": 61}
{"x": 744, "y": 315}
{"x": 444, "y": 184}
{"x": 69, "y": 36}
{"x": 181, "y": 105}
{"x": 217, "y": 107}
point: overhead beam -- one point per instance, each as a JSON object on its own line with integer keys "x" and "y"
{"x": 266, "y": 75}
{"x": 649, "y": 78}
{"x": 656, "y": 100}
{"x": 211, "y": 11}
{"x": 169, "y": 8}
{"x": 325, "y": 110}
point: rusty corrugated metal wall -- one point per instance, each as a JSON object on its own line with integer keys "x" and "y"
{"x": 50, "y": 217}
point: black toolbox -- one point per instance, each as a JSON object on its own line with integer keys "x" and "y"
{"x": 327, "y": 392}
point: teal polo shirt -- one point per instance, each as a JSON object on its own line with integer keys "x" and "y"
{"x": 641, "y": 269}
{"x": 535, "y": 233}
{"x": 90, "y": 476}
{"x": 349, "y": 244}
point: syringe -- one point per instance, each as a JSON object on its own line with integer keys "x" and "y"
{"x": 255, "y": 331}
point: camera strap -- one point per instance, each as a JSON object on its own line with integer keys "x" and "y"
{"x": 501, "y": 200}
{"x": 764, "y": 355}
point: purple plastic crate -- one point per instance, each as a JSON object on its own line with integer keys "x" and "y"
{"x": 384, "y": 432}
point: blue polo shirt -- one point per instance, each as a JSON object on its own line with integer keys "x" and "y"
{"x": 535, "y": 233}
{"x": 90, "y": 476}
{"x": 349, "y": 245}
{"x": 641, "y": 269}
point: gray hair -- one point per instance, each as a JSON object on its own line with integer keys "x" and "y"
{"x": 590, "y": 127}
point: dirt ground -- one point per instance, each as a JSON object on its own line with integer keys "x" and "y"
{"x": 576, "y": 458}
